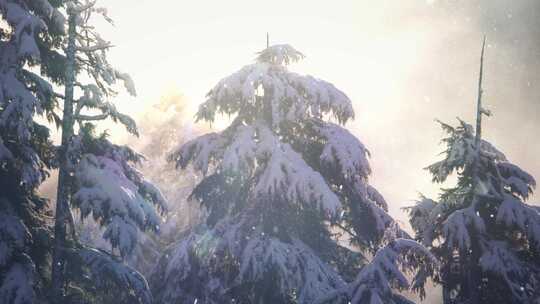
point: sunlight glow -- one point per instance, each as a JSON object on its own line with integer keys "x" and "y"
{"x": 402, "y": 63}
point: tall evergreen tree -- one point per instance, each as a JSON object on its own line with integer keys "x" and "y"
{"x": 485, "y": 234}
{"x": 26, "y": 151}
{"x": 277, "y": 182}
{"x": 95, "y": 175}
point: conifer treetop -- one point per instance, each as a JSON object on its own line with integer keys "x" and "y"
{"x": 280, "y": 54}
{"x": 290, "y": 96}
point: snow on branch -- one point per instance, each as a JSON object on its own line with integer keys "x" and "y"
{"x": 129, "y": 85}
{"x": 518, "y": 181}
{"x": 297, "y": 268}
{"x": 241, "y": 152}
{"x": 381, "y": 217}
{"x": 283, "y": 172}
{"x": 423, "y": 215}
{"x": 251, "y": 257}
{"x": 501, "y": 260}
{"x": 26, "y": 27}
{"x": 232, "y": 93}
{"x": 93, "y": 48}
{"x": 108, "y": 111}
{"x": 287, "y": 176}
{"x": 287, "y": 96}
{"x": 103, "y": 270}
{"x": 343, "y": 150}
{"x": 104, "y": 13}
{"x": 105, "y": 192}
{"x": 281, "y": 54}
{"x": 124, "y": 119}
{"x": 515, "y": 214}
{"x": 17, "y": 270}
{"x": 110, "y": 189}
{"x": 199, "y": 151}
{"x": 375, "y": 196}
{"x": 42, "y": 88}
{"x": 75, "y": 8}
{"x": 458, "y": 227}
{"x": 91, "y": 117}
{"x": 91, "y": 56}
{"x": 320, "y": 96}
{"x": 388, "y": 270}
{"x": 460, "y": 151}
{"x": 56, "y": 19}
{"x": 23, "y": 94}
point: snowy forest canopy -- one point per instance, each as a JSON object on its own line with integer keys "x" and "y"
{"x": 277, "y": 207}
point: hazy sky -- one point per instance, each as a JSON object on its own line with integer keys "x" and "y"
{"x": 403, "y": 64}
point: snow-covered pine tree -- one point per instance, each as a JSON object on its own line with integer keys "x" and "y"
{"x": 484, "y": 233}
{"x": 95, "y": 175}
{"x": 276, "y": 183}
{"x": 162, "y": 127}
{"x": 25, "y": 149}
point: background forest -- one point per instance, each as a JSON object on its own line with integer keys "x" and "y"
{"x": 278, "y": 186}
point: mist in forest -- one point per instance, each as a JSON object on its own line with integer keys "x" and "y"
{"x": 402, "y": 63}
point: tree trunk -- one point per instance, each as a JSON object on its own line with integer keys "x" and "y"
{"x": 446, "y": 290}
{"x": 63, "y": 190}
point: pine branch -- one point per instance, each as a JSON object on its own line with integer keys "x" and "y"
{"x": 77, "y": 9}
{"x": 93, "y": 117}
{"x": 347, "y": 230}
{"x": 93, "y": 48}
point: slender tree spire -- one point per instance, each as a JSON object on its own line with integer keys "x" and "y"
{"x": 267, "y": 40}
{"x": 473, "y": 274}
{"x": 479, "y": 109}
